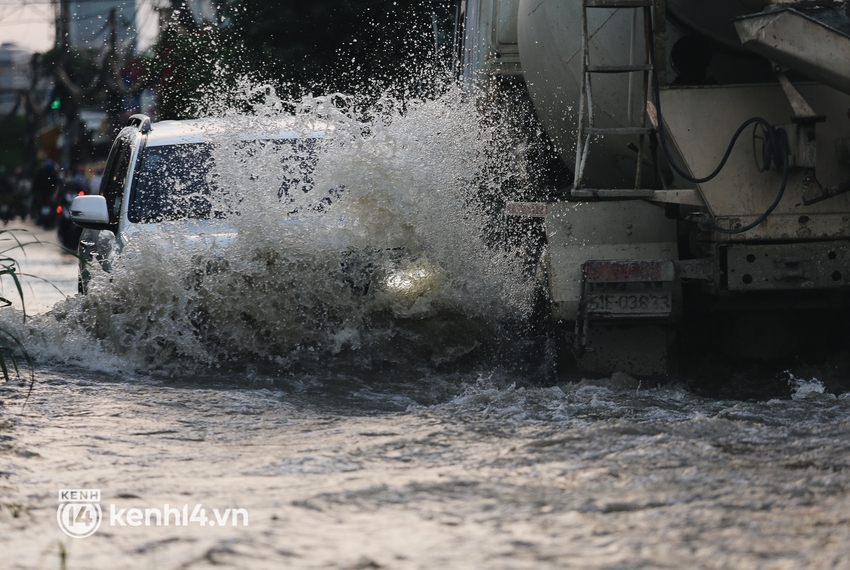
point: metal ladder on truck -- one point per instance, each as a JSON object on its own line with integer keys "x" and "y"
{"x": 586, "y": 130}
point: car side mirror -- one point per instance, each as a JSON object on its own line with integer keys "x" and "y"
{"x": 90, "y": 212}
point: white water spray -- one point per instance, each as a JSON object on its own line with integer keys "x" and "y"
{"x": 383, "y": 260}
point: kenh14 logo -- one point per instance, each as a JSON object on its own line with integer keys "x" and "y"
{"x": 79, "y": 514}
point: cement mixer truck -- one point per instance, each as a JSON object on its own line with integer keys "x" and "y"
{"x": 708, "y": 150}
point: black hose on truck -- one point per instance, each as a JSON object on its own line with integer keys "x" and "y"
{"x": 776, "y": 150}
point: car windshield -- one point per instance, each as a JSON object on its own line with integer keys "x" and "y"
{"x": 176, "y": 182}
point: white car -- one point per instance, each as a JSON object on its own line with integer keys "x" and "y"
{"x": 163, "y": 172}
{"x": 161, "y": 177}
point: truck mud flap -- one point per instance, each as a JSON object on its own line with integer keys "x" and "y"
{"x": 627, "y": 317}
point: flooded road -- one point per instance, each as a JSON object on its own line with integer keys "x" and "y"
{"x": 352, "y": 384}
{"x": 598, "y": 474}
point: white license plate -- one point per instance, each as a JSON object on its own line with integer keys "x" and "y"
{"x": 630, "y": 303}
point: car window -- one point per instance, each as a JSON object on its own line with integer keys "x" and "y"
{"x": 176, "y": 182}
{"x": 300, "y": 166}
{"x": 112, "y": 186}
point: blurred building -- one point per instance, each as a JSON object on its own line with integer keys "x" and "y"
{"x": 88, "y": 23}
{"x": 14, "y": 74}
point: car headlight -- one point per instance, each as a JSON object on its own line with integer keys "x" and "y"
{"x": 412, "y": 280}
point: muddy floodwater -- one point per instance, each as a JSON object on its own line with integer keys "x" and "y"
{"x": 390, "y": 469}
{"x": 465, "y": 473}
{"x": 352, "y": 383}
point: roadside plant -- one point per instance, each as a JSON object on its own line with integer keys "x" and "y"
{"x": 12, "y": 349}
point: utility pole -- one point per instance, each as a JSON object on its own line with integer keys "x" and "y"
{"x": 114, "y": 94}
{"x": 33, "y": 117}
{"x": 63, "y": 26}
{"x": 63, "y": 45}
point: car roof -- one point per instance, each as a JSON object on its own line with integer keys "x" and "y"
{"x": 208, "y": 130}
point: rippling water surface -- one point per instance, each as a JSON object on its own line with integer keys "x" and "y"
{"x": 449, "y": 471}
{"x": 358, "y": 429}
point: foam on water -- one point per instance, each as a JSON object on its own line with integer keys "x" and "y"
{"x": 807, "y": 389}
{"x": 288, "y": 287}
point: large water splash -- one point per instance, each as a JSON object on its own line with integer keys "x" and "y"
{"x": 384, "y": 260}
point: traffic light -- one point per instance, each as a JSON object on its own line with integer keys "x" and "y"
{"x": 56, "y": 98}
